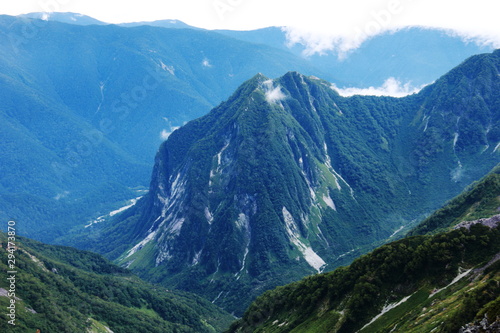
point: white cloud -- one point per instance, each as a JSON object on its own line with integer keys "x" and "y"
{"x": 390, "y": 87}
{"x": 352, "y": 24}
{"x": 273, "y": 94}
{"x": 166, "y": 133}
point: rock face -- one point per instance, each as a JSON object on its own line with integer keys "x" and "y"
{"x": 287, "y": 178}
{"x": 491, "y": 222}
{"x": 482, "y": 326}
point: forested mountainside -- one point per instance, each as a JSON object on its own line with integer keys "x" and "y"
{"x": 480, "y": 200}
{"x": 287, "y": 178}
{"x": 436, "y": 283}
{"x": 61, "y": 289}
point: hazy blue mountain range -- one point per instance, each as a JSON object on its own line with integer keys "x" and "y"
{"x": 79, "y": 19}
{"x": 84, "y": 109}
{"x": 70, "y": 18}
{"x": 438, "y": 283}
{"x": 287, "y": 178}
{"x": 431, "y": 52}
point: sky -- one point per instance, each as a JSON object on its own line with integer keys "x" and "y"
{"x": 327, "y": 17}
{"x": 320, "y": 25}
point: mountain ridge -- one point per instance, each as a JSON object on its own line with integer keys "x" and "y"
{"x": 287, "y": 173}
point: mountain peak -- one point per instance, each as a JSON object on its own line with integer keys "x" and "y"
{"x": 64, "y": 17}
{"x": 287, "y": 176}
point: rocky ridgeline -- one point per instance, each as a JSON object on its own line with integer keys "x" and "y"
{"x": 491, "y": 222}
{"x": 482, "y": 326}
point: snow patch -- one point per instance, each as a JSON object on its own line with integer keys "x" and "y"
{"x": 426, "y": 120}
{"x": 196, "y": 258}
{"x": 386, "y": 309}
{"x": 242, "y": 221}
{"x": 329, "y": 202}
{"x": 496, "y": 148}
{"x": 337, "y": 176}
{"x": 101, "y": 88}
{"x": 344, "y": 254}
{"x": 455, "y": 280}
{"x": 208, "y": 216}
{"x": 455, "y": 139}
{"x": 217, "y": 169}
{"x": 220, "y": 294}
{"x": 141, "y": 244}
{"x": 167, "y": 68}
{"x": 457, "y": 173}
{"x": 395, "y": 232}
{"x": 312, "y": 258}
{"x": 242, "y": 263}
{"x": 338, "y": 109}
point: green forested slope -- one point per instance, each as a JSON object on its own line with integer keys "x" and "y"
{"x": 406, "y": 278}
{"x": 61, "y": 289}
{"x": 420, "y": 283}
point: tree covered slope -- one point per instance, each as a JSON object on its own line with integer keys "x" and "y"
{"x": 481, "y": 200}
{"x": 435, "y": 283}
{"x": 61, "y": 289}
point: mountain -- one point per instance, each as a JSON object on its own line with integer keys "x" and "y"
{"x": 287, "y": 178}
{"x": 422, "y": 284}
{"x": 84, "y": 109}
{"x": 171, "y": 24}
{"x": 85, "y": 106}
{"x": 431, "y": 53}
{"x": 438, "y": 282}
{"x": 61, "y": 289}
{"x": 69, "y": 18}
